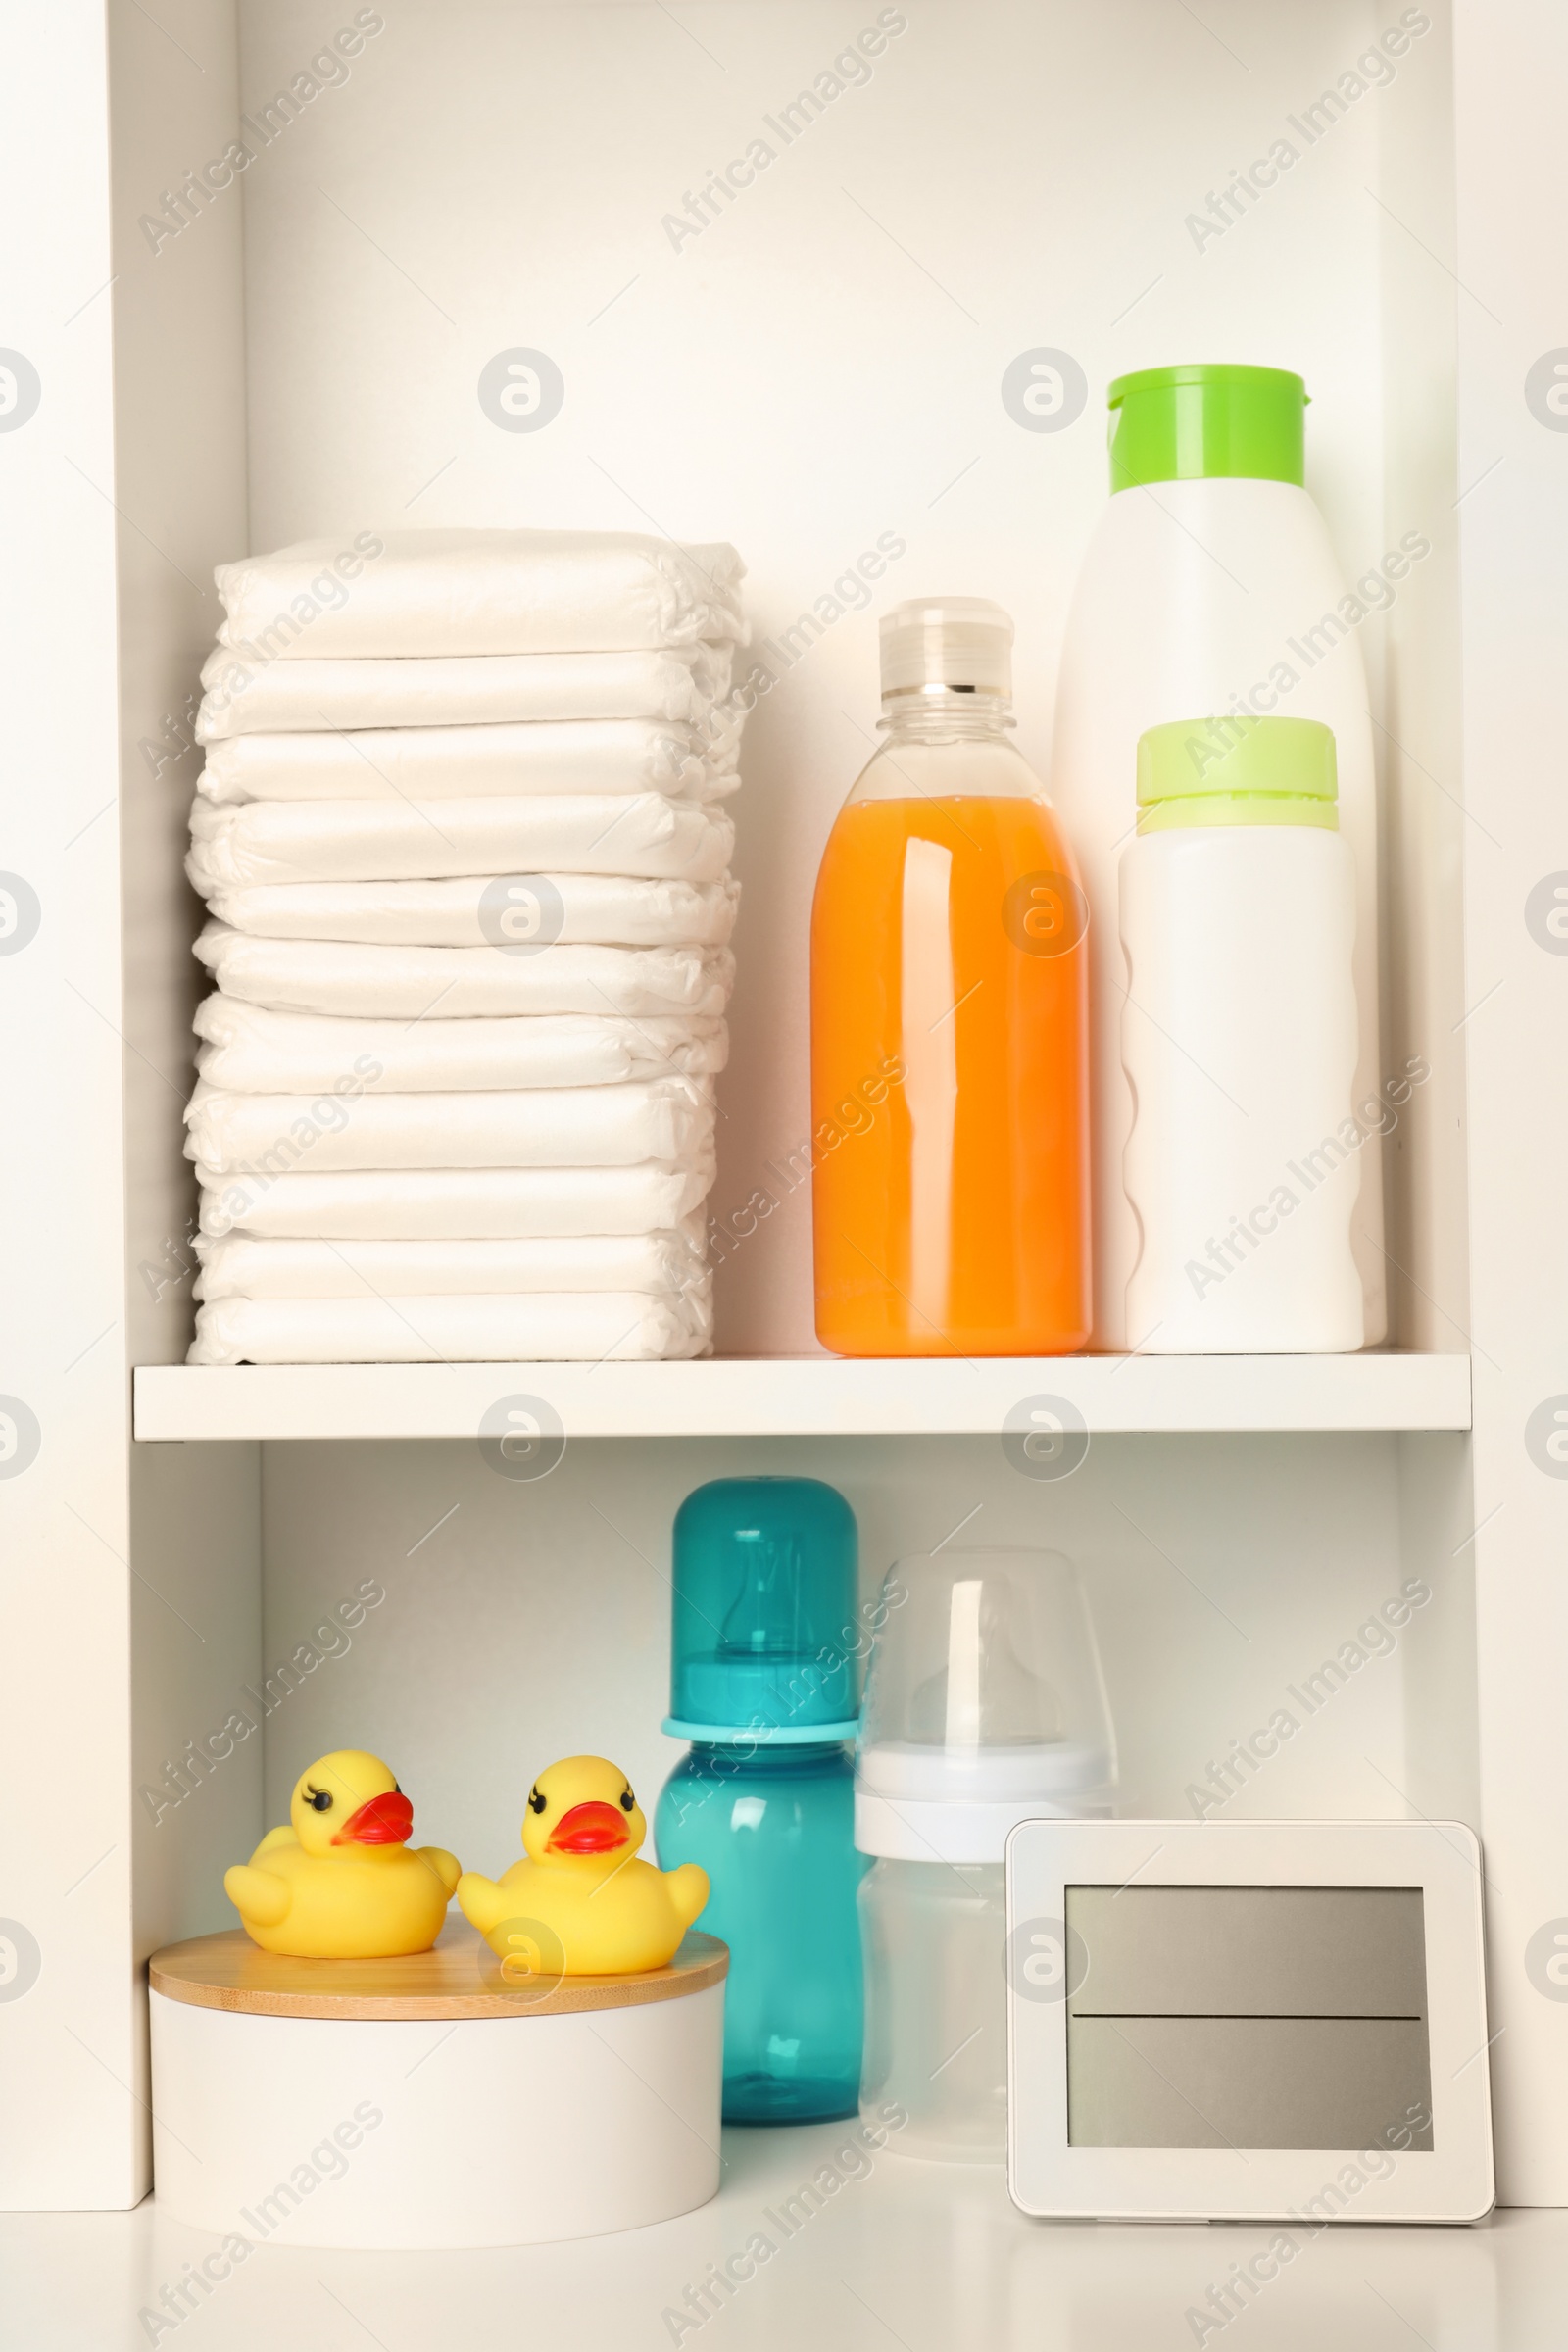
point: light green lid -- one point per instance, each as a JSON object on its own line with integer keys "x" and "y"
{"x": 1238, "y": 771}
{"x": 1175, "y": 424}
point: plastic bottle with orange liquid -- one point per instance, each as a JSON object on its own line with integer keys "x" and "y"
{"x": 950, "y": 1106}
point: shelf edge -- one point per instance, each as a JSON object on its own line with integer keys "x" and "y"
{"x": 811, "y": 1396}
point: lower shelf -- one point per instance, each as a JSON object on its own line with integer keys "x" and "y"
{"x": 1032, "y": 1401}
{"x": 809, "y": 2242}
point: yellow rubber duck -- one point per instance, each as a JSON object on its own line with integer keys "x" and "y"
{"x": 580, "y": 1904}
{"x": 341, "y": 1883}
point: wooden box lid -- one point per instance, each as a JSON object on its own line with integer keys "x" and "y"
{"x": 458, "y": 1978}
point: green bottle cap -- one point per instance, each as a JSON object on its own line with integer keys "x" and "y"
{"x": 1238, "y": 771}
{"x": 1176, "y": 424}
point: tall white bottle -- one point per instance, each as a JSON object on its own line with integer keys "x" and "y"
{"x": 1209, "y": 586}
{"x": 1246, "y": 1159}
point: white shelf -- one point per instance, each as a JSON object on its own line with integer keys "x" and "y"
{"x": 930, "y": 2257}
{"x": 811, "y": 1396}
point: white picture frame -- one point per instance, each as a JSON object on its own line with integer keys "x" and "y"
{"x": 1051, "y": 2177}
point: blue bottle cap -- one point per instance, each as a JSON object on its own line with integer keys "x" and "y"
{"x": 766, "y": 1636}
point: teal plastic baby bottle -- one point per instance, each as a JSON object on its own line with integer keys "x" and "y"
{"x": 764, "y": 1682}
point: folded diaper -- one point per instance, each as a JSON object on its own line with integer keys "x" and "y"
{"x": 604, "y": 910}
{"x": 479, "y": 592}
{"x": 238, "y": 1267}
{"x": 244, "y": 698}
{"x": 373, "y": 841}
{"x": 460, "y": 836}
{"x": 470, "y": 762}
{"x": 665, "y": 1120}
{"x": 586, "y": 1327}
{"x": 454, "y": 1204}
{"x": 298, "y": 975}
{"x": 249, "y": 1050}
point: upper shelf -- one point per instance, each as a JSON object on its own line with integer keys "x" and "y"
{"x": 811, "y": 1396}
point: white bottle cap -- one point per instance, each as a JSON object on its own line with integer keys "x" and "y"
{"x": 947, "y": 645}
{"x": 985, "y": 1706}
{"x": 928, "y": 1804}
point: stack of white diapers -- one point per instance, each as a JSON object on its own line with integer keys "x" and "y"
{"x": 460, "y": 836}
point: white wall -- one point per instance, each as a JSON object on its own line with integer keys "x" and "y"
{"x": 535, "y": 1621}
{"x": 801, "y": 377}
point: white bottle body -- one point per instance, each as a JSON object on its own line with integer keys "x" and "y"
{"x": 933, "y": 1938}
{"x": 1240, "y": 1041}
{"x": 1197, "y": 599}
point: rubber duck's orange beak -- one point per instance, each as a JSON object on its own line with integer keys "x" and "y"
{"x": 591, "y": 1829}
{"x": 386, "y": 1820}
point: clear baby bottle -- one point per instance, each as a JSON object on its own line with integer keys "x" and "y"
{"x": 985, "y": 1706}
{"x": 764, "y": 1684}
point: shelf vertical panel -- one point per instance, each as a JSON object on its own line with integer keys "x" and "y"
{"x": 1511, "y": 271}
{"x": 1413, "y": 678}
{"x": 117, "y": 490}
{"x": 68, "y": 2059}
{"x": 180, "y": 430}
{"x": 71, "y": 2131}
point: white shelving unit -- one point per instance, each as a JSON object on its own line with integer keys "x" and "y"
{"x": 816, "y": 365}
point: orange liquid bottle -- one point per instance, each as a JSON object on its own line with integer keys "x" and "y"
{"x": 949, "y": 1024}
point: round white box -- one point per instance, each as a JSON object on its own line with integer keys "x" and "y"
{"x": 506, "y": 2124}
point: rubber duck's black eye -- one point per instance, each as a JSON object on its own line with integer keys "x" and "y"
{"x": 321, "y": 1798}
{"x": 537, "y": 1800}
{"x": 627, "y": 1800}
